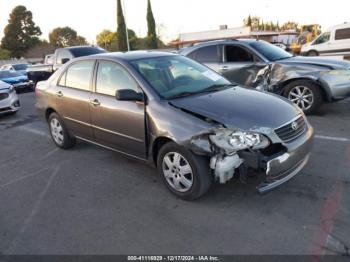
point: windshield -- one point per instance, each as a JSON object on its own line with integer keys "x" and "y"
{"x": 8, "y": 74}
{"x": 20, "y": 67}
{"x": 271, "y": 52}
{"x": 176, "y": 76}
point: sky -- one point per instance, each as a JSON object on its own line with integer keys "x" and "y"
{"x": 90, "y": 17}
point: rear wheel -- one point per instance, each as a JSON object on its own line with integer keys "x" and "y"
{"x": 312, "y": 53}
{"x": 59, "y": 132}
{"x": 305, "y": 94}
{"x": 186, "y": 175}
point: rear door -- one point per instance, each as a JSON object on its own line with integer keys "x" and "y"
{"x": 72, "y": 94}
{"x": 117, "y": 124}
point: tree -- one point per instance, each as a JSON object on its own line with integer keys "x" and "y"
{"x": 21, "y": 33}
{"x": 290, "y": 25}
{"x": 106, "y": 39}
{"x": 65, "y": 36}
{"x": 121, "y": 31}
{"x": 5, "y": 54}
{"x": 248, "y": 21}
{"x": 151, "y": 24}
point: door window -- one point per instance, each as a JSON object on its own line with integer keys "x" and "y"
{"x": 342, "y": 34}
{"x": 237, "y": 54}
{"x": 112, "y": 77}
{"x": 208, "y": 54}
{"x": 78, "y": 75}
{"x": 322, "y": 38}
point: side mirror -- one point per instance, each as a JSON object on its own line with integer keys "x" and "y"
{"x": 128, "y": 95}
{"x": 64, "y": 60}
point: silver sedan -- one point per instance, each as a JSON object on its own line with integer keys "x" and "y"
{"x": 9, "y": 101}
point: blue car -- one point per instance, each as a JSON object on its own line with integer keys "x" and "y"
{"x": 18, "y": 81}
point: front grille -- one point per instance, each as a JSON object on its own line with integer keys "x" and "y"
{"x": 292, "y": 130}
{"x": 3, "y": 96}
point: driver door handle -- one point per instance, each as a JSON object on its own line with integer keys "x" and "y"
{"x": 59, "y": 94}
{"x": 95, "y": 102}
{"x": 224, "y": 68}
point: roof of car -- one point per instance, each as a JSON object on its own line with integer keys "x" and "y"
{"x": 133, "y": 55}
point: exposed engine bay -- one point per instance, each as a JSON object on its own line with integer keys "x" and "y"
{"x": 229, "y": 150}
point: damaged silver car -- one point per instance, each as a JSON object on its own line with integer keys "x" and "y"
{"x": 172, "y": 112}
{"x": 306, "y": 81}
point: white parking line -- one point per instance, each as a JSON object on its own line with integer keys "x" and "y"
{"x": 339, "y": 139}
{"x": 33, "y": 131}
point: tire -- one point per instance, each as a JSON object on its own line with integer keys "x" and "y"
{"x": 312, "y": 53}
{"x": 297, "y": 90}
{"x": 59, "y": 132}
{"x": 193, "y": 181}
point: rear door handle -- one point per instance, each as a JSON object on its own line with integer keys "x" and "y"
{"x": 59, "y": 94}
{"x": 95, "y": 102}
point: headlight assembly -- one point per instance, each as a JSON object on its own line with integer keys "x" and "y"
{"x": 11, "y": 89}
{"x": 232, "y": 141}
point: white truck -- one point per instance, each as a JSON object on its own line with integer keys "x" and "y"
{"x": 333, "y": 43}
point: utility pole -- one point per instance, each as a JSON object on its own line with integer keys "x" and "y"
{"x": 126, "y": 27}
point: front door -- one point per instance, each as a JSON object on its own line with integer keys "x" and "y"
{"x": 117, "y": 124}
{"x": 73, "y": 93}
{"x": 240, "y": 65}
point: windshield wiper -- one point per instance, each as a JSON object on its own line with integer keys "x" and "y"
{"x": 209, "y": 89}
{"x": 182, "y": 94}
{"x": 214, "y": 88}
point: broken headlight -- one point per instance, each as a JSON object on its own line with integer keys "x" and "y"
{"x": 243, "y": 140}
{"x": 232, "y": 141}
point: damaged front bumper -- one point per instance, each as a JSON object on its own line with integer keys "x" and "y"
{"x": 283, "y": 177}
{"x": 278, "y": 161}
{"x": 283, "y": 166}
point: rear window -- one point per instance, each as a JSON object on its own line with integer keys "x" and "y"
{"x": 86, "y": 51}
{"x": 342, "y": 34}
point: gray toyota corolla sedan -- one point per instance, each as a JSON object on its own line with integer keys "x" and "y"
{"x": 187, "y": 120}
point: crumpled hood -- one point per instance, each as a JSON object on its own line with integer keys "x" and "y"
{"x": 317, "y": 61}
{"x": 240, "y": 108}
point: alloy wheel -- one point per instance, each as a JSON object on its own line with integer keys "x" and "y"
{"x": 57, "y": 131}
{"x": 177, "y": 172}
{"x": 302, "y": 96}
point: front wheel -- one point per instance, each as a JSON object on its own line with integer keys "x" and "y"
{"x": 186, "y": 175}
{"x": 305, "y": 94}
{"x": 59, "y": 133}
